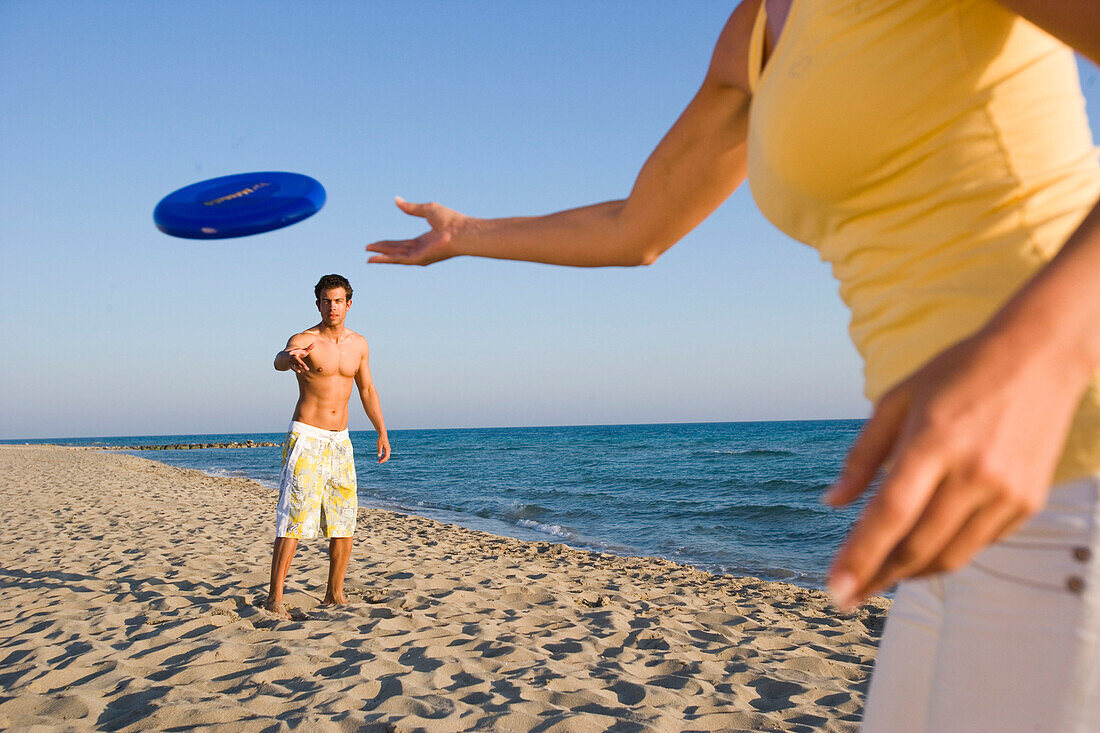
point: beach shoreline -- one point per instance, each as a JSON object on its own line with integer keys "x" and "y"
{"x": 132, "y": 602}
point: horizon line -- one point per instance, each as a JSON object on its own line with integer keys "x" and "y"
{"x": 486, "y": 427}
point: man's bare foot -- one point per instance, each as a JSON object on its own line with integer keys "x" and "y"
{"x": 276, "y": 607}
{"x": 335, "y": 599}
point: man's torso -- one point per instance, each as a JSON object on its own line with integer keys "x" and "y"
{"x": 324, "y": 390}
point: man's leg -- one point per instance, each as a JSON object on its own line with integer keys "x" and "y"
{"x": 292, "y": 513}
{"x": 281, "y": 556}
{"x": 338, "y": 519}
{"x": 339, "y": 552}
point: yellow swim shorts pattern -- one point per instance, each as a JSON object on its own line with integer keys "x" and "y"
{"x": 317, "y": 487}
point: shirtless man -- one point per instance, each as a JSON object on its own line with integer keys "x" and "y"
{"x": 317, "y": 492}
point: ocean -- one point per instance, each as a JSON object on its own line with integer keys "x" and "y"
{"x": 733, "y": 498}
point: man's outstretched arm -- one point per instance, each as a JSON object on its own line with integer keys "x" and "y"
{"x": 368, "y": 395}
{"x": 294, "y": 355}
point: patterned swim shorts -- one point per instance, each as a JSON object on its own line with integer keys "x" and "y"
{"x": 317, "y": 488}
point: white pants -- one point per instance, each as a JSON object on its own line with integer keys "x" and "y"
{"x": 1008, "y": 643}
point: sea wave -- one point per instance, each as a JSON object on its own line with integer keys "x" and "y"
{"x": 744, "y": 453}
{"x": 555, "y": 530}
{"x": 769, "y": 512}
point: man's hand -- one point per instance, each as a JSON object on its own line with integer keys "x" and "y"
{"x": 971, "y": 441}
{"x": 383, "y": 448}
{"x": 297, "y": 356}
{"x": 432, "y": 246}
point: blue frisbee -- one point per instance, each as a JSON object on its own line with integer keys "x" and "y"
{"x": 239, "y": 205}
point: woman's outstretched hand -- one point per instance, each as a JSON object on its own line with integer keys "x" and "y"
{"x": 432, "y": 246}
{"x": 971, "y": 441}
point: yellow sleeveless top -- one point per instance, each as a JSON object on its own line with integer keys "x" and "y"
{"x": 936, "y": 153}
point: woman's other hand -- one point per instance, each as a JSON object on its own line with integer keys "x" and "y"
{"x": 971, "y": 440}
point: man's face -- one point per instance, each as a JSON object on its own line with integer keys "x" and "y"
{"x": 333, "y": 306}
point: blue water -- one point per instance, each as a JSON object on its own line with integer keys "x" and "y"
{"x": 736, "y": 498}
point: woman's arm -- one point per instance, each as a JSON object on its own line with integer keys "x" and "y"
{"x": 697, "y": 165}
{"x": 1074, "y": 22}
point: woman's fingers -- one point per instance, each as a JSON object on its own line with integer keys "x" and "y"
{"x": 870, "y": 450}
{"x": 410, "y": 208}
{"x": 389, "y": 252}
{"x": 949, "y": 512}
{"x": 393, "y": 252}
{"x": 389, "y": 246}
{"x": 990, "y": 523}
{"x": 887, "y": 519}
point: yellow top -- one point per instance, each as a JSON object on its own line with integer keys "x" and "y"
{"x": 936, "y": 153}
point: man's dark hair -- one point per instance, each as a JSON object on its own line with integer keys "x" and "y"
{"x": 328, "y": 282}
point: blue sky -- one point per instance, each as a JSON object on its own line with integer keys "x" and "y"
{"x": 493, "y": 108}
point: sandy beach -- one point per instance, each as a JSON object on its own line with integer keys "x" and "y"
{"x": 130, "y": 597}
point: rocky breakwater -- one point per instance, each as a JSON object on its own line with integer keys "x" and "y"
{"x": 191, "y": 446}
